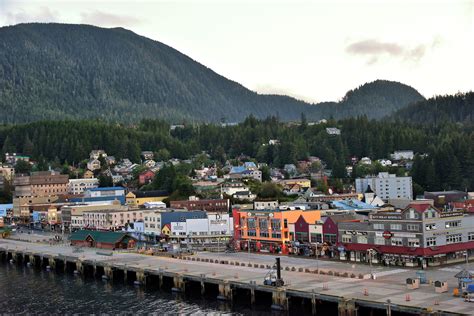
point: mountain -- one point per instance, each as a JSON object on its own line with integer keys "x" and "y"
{"x": 458, "y": 108}
{"x": 65, "y": 71}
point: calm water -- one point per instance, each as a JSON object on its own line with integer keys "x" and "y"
{"x": 25, "y": 290}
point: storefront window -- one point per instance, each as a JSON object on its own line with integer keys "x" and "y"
{"x": 397, "y": 241}
{"x": 431, "y": 241}
{"x": 316, "y": 238}
{"x": 452, "y": 239}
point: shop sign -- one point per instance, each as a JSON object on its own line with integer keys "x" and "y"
{"x": 380, "y": 216}
{"x": 407, "y": 235}
{"x": 387, "y": 235}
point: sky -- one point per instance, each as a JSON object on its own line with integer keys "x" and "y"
{"x": 312, "y": 50}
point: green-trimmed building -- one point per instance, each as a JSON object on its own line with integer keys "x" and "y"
{"x": 102, "y": 239}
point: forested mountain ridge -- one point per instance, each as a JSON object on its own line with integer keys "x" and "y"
{"x": 458, "y": 108}
{"x": 65, "y": 71}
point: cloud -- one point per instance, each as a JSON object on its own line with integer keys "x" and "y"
{"x": 373, "y": 50}
{"x": 108, "y": 19}
{"x": 43, "y": 14}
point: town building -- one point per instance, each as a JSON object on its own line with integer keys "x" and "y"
{"x": 333, "y": 131}
{"x": 302, "y": 183}
{"x": 95, "y": 154}
{"x": 93, "y": 164}
{"x": 217, "y": 205}
{"x": 139, "y": 198}
{"x": 156, "y": 219}
{"x": 265, "y": 230}
{"x": 402, "y": 155}
{"x": 41, "y": 183}
{"x": 13, "y": 158}
{"x": 72, "y": 215}
{"x": 147, "y": 155}
{"x": 442, "y": 198}
{"x": 110, "y": 219}
{"x": 386, "y": 186}
{"x": 265, "y": 205}
{"x": 101, "y": 239}
{"x": 146, "y": 177}
{"x": 419, "y": 235}
{"x": 79, "y": 186}
{"x": 102, "y": 194}
{"x": 244, "y": 196}
{"x": 231, "y": 187}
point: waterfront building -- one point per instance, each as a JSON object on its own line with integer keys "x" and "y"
{"x": 156, "y": 219}
{"x": 386, "y": 186}
{"x": 265, "y": 230}
{"x": 101, "y": 239}
{"x": 111, "y": 218}
{"x": 202, "y": 232}
{"x": 418, "y": 235}
{"x": 72, "y": 215}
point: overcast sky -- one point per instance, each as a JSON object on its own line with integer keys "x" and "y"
{"x": 312, "y": 50}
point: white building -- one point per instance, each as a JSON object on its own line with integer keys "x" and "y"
{"x": 95, "y": 154}
{"x": 386, "y": 186}
{"x": 93, "y": 164}
{"x": 78, "y": 186}
{"x": 333, "y": 131}
{"x": 265, "y": 205}
{"x": 366, "y": 161}
{"x": 216, "y": 225}
{"x": 152, "y": 221}
{"x": 403, "y": 155}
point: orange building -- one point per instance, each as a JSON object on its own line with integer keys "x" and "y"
{"x": 267, "y": 230}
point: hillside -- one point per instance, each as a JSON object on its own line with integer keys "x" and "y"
{"x": 62, "y": 71}
{"x": 458, "y": 108}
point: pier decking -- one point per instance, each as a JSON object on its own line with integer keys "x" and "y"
{"x": 231, "y": 274}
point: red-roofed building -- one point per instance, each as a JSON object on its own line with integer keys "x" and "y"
{"x": 146, "y": 177}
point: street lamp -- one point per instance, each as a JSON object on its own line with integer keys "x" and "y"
{"x": 317, "y": 262}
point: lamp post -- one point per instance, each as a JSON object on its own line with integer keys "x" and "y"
{"x": 317, "y": 261}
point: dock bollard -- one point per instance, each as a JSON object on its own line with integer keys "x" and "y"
{"x": 366, "y": 292}
{"x": 407, "y": 298}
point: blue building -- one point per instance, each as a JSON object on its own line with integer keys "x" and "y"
{"x": 4, "y": 208}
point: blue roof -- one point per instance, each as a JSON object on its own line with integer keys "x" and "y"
{"x": 180, "y": 216}
{"x": 237, "y": 169}
{"x": 120, "y": 198}
{"x": 352, "y": 204}
{"x": 107, "y": 189}
{"x": 250, "y": 164}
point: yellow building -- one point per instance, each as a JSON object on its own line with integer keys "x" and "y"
{"x": 304, "y": 183}
{"x": 166, "y": 230}
{"x": 139, "y": 198}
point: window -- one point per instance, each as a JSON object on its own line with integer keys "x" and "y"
{"x": 379, "y": 226}
{"x": 453, "y": 224}
{"x": 264, "y": 233}
{"x": 346, "y": 238}
{"x": 454, "y": 238}
{"x": 470, "y": 236}
{"x": 263, "y": 224}
{"x": 362, "y": 239}
{"x": 276, "y": 235}
{"x": 413, "y": 227}
{"x": 431, "y": 241}
{"x": 276, "y": 224}
{"x": 413, "y": 243}
{"x": 379, "y": 241}
{"x": 396, "y": 226}
{"x": 285, "y": 223}
{"x": 330, "y": 238}
{"x": 430, "y": 226}
{"x": 397, "y": 241}
{"x": 251, "y": 223}
{"x": 316, "y": 238}
{"x": 251, "y": 233}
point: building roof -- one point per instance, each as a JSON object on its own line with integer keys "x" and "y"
{"x": 154, "y": 193}
{"x": 351, "y": 204}
{"x": 98, "y": 236}
{"x": 237, "y": 169}
{"x": 419, "y": 207}
{"x": 107, "y": 189}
